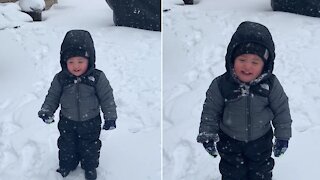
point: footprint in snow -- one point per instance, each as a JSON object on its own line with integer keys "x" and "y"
{"x": 30, "y": 157}
{"x": 177, "y": 91}
{"x": 183, "y": 160}
{"x": 8, "y": 158}
{"x": 193, "y": 37}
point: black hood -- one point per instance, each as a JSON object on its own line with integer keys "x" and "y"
{"x": 77, "y": 41}
{"x": 251, "y": 32}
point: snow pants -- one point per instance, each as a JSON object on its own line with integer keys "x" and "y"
{"x": 246, "y": 160}
{"x": 79, "y": 142}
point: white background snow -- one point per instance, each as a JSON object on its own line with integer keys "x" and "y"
{"x": 195, "y": 39}
{"x": 29, "y": 55}
{"x": 194, "y": 44}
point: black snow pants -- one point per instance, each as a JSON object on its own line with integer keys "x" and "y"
{"x": 246, "y": 160}
{"x": 79, "y": 142}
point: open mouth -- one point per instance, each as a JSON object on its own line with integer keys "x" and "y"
{"x": 246, "y": 73}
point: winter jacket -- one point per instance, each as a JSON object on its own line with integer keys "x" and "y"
{"x": 137, "y": 13}
{"x": 80, "y": 97}
{"x": 244, "y": 111}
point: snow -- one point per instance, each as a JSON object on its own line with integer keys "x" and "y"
{"x": 131, "y": 61}
{"x": 194, "y": 45}
{"x": 195, "y": 40}
{"x": 11, "y": 16}
{"x": 32, "y": 5}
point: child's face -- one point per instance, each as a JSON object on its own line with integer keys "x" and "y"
{"x": 248, "y": 67}
{"x": 77, "y": 65}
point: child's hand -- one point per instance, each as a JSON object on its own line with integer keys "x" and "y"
{"x": 210, "y": 148}
{"x": 109, "y": 125}
{"x": 49, "y": 120}
{"x": 209, "y": 141}
{"x": 43, "y": 114}
{"x": 280, "y": 147}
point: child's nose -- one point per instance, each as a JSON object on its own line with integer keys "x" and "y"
{"x": 247, "y": 65}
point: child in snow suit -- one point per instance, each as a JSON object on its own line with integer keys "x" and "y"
{"x": 81, "y": 90}
{"x": 240, "y": 106}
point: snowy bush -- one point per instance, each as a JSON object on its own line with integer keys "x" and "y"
{"x": 32, "y": 5}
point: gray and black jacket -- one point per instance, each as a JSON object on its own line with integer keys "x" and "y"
{"x": 245, "y": 111}
{"x": 80, "y": 97}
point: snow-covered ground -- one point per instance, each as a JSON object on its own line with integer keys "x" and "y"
{"x": 29, "y": 53}
{"x": 194, "y": 44}
{"x": 195, "y": 39}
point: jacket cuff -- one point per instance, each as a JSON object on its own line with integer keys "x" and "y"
{"x": 205, "y": 137}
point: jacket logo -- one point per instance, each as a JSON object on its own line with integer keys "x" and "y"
{"x": 91, "y": 78}
{"x": 265, "y": 86}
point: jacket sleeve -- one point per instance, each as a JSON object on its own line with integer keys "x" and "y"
{"x": 111, "y": 3}
{"x": 105, "y": 95}
{"x": 280, "y": 107}
{"x": 211, "y": 114}
{"x": 52, "y": 100}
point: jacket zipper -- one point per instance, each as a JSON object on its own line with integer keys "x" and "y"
{"x": 248, "y": 117}
{"x": 78, "y": 98}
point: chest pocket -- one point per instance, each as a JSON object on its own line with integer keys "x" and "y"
{"x": 88, "y": 96}
{"x": 68, "y": 96}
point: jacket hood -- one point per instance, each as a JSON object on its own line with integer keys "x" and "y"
{"x": 77, "y": 42}
{"x": 255, "y": 33}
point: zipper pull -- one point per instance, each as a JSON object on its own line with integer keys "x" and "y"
{"x": 77, "y": 80}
